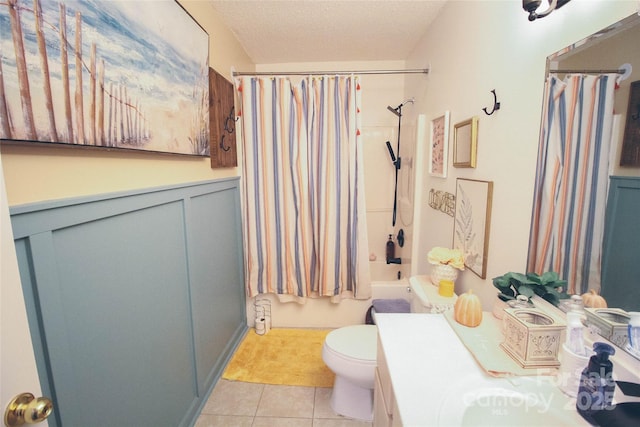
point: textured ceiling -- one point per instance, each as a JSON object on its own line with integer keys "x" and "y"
{"x": 280, "y": 31}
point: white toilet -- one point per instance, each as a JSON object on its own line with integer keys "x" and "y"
{"x": 350, "y": 352}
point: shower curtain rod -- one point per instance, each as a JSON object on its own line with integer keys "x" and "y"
{"x": 307, "y": 73}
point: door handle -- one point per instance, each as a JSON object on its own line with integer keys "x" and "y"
{"x": 25, "y": 408}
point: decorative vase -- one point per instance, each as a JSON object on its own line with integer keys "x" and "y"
{"x": 443, "y": 272}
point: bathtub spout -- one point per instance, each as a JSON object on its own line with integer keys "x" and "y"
{"x": 394, "y": 260}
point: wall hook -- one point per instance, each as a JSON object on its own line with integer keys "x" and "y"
{"x": 496, "y": 104}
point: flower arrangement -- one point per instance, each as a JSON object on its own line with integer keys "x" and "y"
{"x": 446, "y": 256}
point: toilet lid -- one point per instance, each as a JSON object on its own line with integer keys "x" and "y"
{"x": 358, "y": 341}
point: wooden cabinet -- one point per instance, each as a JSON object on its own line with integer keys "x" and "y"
{"x": 385, "y": 411}
{"x": 381, "y": 415}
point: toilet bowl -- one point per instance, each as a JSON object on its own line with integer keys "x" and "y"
{"x": 350, "y": 352}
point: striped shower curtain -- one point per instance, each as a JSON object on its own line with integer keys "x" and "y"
{"x": 304, "y": 213}
{"x": 571, "y": 179}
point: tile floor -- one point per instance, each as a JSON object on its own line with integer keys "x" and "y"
{"x": 239, "y": 404}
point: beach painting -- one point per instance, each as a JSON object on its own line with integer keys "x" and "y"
{"x": 114, "y": 74}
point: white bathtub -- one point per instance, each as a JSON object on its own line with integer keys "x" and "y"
{"x": 392, "y": 289}
{"x": 382, "y": 272}
{"x": 320, "y": 313}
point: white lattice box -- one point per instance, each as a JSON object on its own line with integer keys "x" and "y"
{"x": 611, "y": 323}
{"x": 532, "y": 337}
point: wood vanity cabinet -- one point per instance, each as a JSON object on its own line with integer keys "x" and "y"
{"x": 385, "y": 409}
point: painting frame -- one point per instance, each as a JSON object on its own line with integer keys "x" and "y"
{"x": 472, "y": 223}
{"x": 105, "y": 76}
{"x": 222, "y": 124}
{"x": 465, "y": 143}
{"x": 631, "y": 139}
{"x": 439, "y": 146}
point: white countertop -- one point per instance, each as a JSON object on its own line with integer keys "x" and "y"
{"x": 427, "y": 362}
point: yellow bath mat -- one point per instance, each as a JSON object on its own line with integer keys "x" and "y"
{"x": 281, "y": 356}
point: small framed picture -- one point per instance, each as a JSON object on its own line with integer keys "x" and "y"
{"x": 439, "y": 148}
{"x": 472, "y": 222}
{"x": 465, "y": 143}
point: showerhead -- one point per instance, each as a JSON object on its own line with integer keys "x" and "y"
{"x": 395, "y": 111}
{"x": 398, "y": 110}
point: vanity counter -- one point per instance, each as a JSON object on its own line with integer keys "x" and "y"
{"x": 431, "y": 371}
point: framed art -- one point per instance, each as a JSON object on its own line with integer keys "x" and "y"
{"x": 105, "y": 74}
{"x": 631, "y": 142}
{"x": 465, "y": 142}
{"x": 472, "y": 222}
{"x": 439, "y": 146}
{"x": 222, "y": 122}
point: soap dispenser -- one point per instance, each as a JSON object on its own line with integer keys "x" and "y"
{"x": 390, "y": 249}
{"x": 596, "y": 383}
{"x": 391, "y": 252}
{"x": 575, "y": 339}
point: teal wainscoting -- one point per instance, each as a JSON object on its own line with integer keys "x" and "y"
{"x": 621, "y": 247}
{"x": 135, "y": 300}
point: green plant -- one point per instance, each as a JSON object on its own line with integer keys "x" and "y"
{"x": 548, "y": 286}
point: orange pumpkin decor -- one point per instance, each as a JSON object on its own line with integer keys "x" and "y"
{"x": 592, "y": 300}
{"x": 467, "y": 310}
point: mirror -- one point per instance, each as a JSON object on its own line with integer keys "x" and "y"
{"x": 607, "y": 51}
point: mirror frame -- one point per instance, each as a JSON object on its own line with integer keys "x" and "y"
{"x": 586, "y": 42}
{"x": 553, "y": 59}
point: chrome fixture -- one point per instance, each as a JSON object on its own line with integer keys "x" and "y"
{"x": 532, "y": 5}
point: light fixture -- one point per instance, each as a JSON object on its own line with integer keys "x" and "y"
{"x": 532, "y": 5}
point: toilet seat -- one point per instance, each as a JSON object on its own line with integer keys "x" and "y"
{"x": 356, "y": 343}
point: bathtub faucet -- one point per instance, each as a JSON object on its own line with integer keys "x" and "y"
{"x": 394, "y": 260}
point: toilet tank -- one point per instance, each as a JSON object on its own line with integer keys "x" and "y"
{"x": 425, "y": 297}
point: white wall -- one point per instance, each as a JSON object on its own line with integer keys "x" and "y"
{"x": 474, "y": 47}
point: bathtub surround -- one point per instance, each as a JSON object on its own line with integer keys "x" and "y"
{"x": 305, "y": 232}
{"x": 397, "y": 160}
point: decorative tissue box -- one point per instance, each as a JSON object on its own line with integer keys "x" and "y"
{"x": 611, "y": 323}
{"x": 532, "y": 337}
